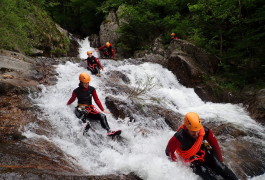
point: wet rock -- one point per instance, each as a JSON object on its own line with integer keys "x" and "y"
{"x": 25, "y": 174}
{"x": 256, "y": 106}
{"x": 121, "y": 109}
{"x": 94, "y": 40}
{"x": 115, "y": 76}
{"x": 74, "y": 46}
{"x": 117, "y": 107}
{"x": 154, "y": 58}
{"x": 6, "y": 88}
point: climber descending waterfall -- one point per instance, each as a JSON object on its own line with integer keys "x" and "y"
{"x": 85, "y": 110}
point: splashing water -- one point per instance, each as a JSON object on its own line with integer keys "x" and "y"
{"x": 143, "y": 155}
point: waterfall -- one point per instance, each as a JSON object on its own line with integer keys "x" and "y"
{"x": 142, "y": 154}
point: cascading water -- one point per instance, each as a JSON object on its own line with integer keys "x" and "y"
{"x": 142, "y": 154}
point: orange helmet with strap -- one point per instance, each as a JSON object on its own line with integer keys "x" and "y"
{"x": 89, "y": 52}
{"x": 192, "y": 121}
{"x": 108, "y": 44}
{"x": 173, "y": 34}
{"x": 84, "y": 77}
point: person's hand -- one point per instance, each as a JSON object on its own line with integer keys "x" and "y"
{"x": 107, "y": 112}
{"x": 96, "y": 50}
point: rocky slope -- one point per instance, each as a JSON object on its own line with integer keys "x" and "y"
{"x": 22, "y": 158}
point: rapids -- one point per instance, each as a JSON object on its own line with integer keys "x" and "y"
{"x": 97, "y": 154}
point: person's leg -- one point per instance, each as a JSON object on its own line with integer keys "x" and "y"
{"x": 97, "y": 70}
{"x": 103, "y": 120}
{"x": 83, "y": 117}
{"x": 201, "y": 170}
{"x": 219, "y": 167}
{"x": 93, "y": 71}
{"x": 80, "y": 115}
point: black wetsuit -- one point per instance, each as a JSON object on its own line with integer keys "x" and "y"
{"x": 84, "y": 96}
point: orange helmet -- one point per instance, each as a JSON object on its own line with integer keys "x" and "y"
{"x": 89, "y": 52}
{"x": 173, "y": 34}
{"x": 192, "y": 121}
{"x": 84, "y": 77}
{"x": 107, "y": 44}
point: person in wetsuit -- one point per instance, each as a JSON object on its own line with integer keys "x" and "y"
{"x": 173, "y": 36}
{"x": 196, "y": 144}
{"x": 93, "y": 64}
{"x": 85, "y": 110}
{"x": 108, "y": 50}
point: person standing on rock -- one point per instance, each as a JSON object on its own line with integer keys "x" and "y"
{"x": 196, "y": 144}
{"x": 108, "y": 50}
{"x": 93, "y": 64}
{"x": 85, "y": 110}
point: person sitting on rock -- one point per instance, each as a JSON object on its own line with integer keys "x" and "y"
{"x": 85, "y": 110}
{"x": 196, "y": 144}
{"x": 93, "y": 64}
{"x": 108, "y": 50}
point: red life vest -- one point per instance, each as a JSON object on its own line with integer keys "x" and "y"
{"x": 194, "y": 152}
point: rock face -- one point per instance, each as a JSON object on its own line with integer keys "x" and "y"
{"x": 108, "y": 29}
{"x": 256, "y": 106}
{"x": 189, "y": 63}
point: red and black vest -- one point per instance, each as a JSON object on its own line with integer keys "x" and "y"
{"x": 186, "y": 140}
{"x": 91, "y": 60}
{"x": 84, "y": 97}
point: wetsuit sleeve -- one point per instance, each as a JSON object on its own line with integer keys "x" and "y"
{"x": 101, "y": 67}
{"x": 172, "y": 145}
{"x": 101, "y": 47}
{"x": 72, "y": 99}
{"x": 216, "y": 148}
{"x": 112, "y": 52}
{"x": 96, "y": 99}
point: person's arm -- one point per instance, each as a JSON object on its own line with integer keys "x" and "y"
{"x": 96, "y": 99}
{"x": 97, "y": 61}
{"x": 172, "y": 145}
{"x": 72, "y": 99}
{"x": 215, "y": 145}
{"x": 101, "y": 47}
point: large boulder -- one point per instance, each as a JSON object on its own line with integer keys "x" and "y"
{"x": 108, "y": 29}
{"x": 122, "y": 109}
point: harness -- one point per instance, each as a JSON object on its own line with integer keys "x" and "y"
{"x": 195, "y": 152}
{"x": 88, "y": 108}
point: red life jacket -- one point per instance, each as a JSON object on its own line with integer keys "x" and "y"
{"x": 190, "y": 150}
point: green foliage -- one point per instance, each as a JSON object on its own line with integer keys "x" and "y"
{"x": 230, "y": 29}
{"x": 11, "y": 26}
{"x": 24, "y": 25}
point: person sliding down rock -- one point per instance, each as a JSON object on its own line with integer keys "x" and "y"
{"x": 196, "y": 144}
{"x": 85, "y": 110}
{"x": 93, "y": 64}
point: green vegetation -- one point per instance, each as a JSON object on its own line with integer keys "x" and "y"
{"x": 233, "y": 30}
{"x": 25, "y": 26}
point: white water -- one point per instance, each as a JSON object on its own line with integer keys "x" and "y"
{"x": 142, "y": 154}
